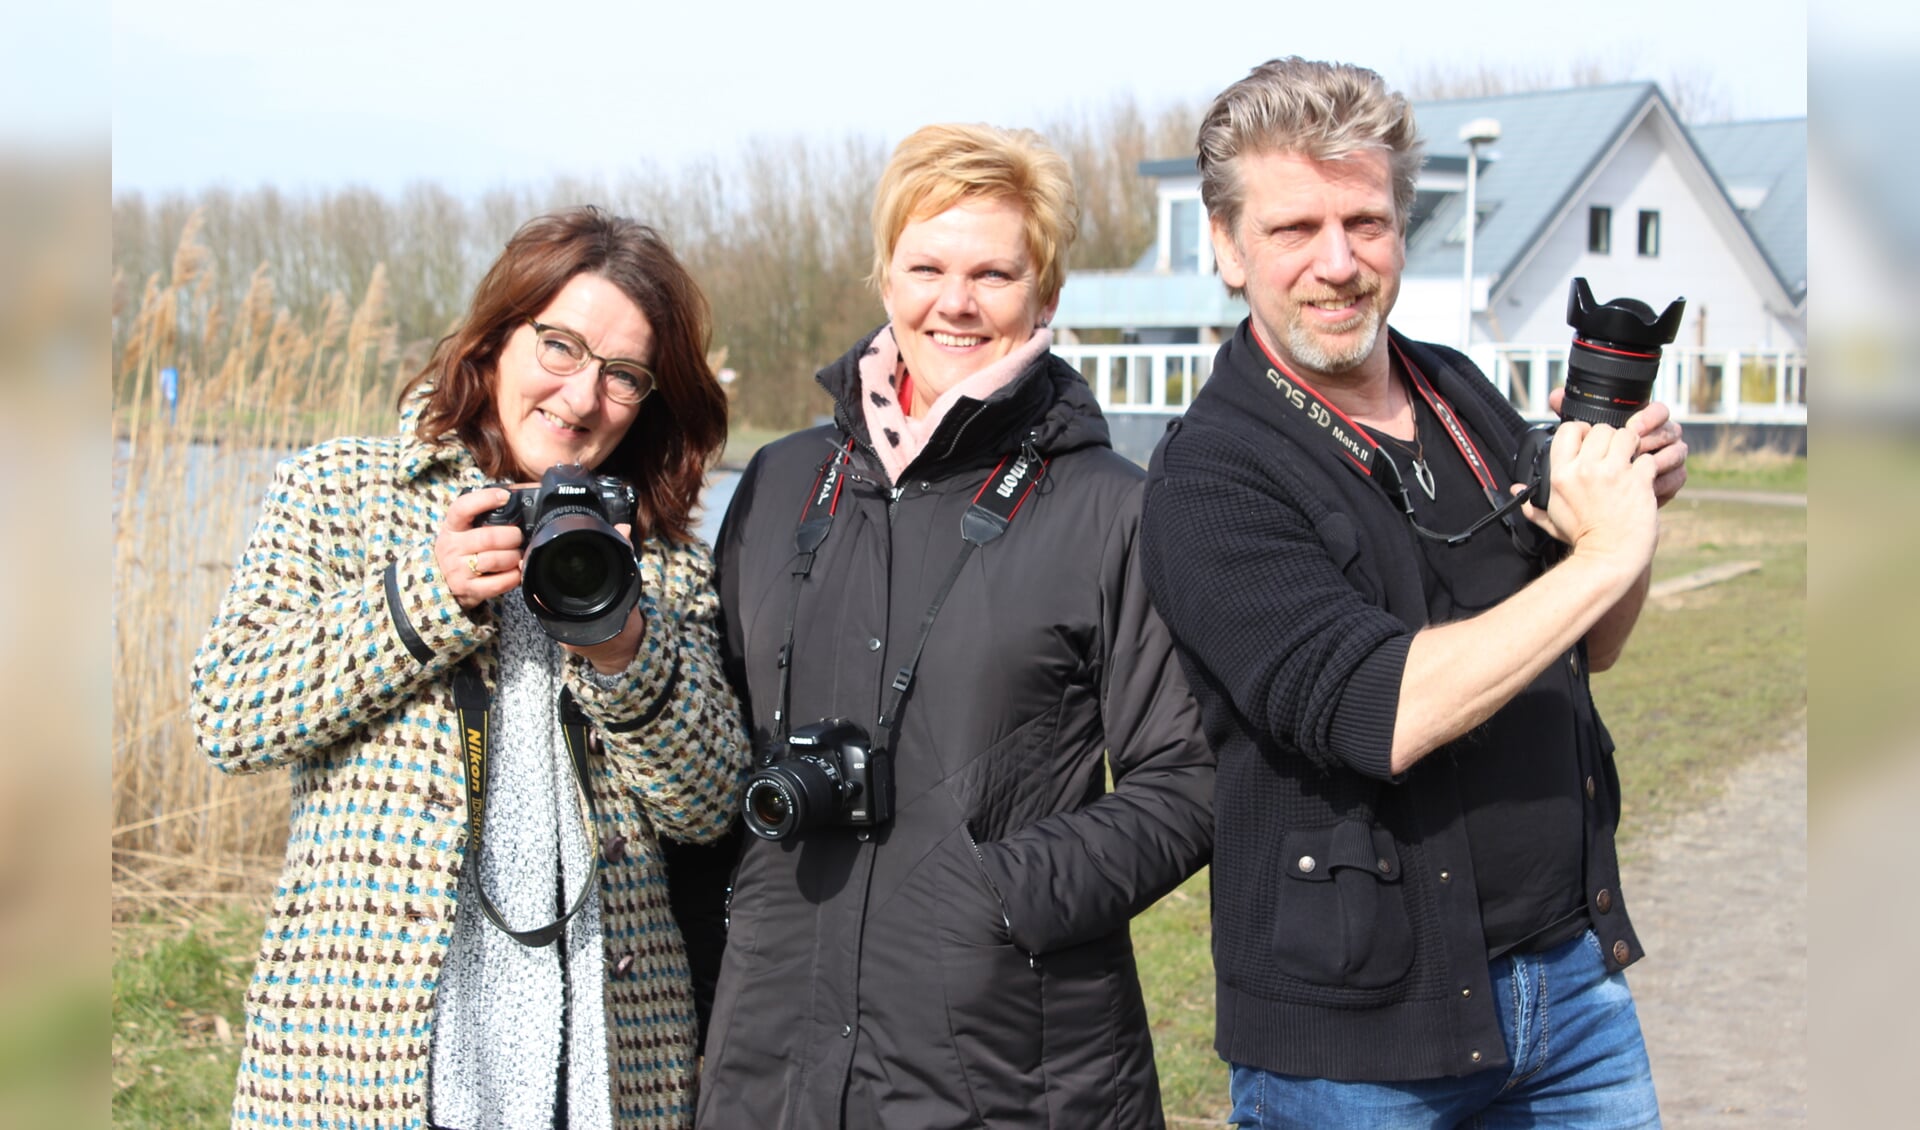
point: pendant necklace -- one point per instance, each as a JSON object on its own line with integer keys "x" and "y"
{"x": 1422, "y": 473}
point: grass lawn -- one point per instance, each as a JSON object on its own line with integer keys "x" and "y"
{"x": 1711, "y": 676}
{"x": 176, "y": 1018}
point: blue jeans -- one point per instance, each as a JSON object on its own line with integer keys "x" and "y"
{"x": 1573, "y": 1038}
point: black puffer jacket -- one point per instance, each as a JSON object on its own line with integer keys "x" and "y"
{"x": 969, "y": 964}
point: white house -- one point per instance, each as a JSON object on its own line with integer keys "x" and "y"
{"x": 1599, "y": 181}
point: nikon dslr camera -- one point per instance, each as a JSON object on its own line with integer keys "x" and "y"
{"x": 829, "y": 773}
{"x": 578, "y": 574}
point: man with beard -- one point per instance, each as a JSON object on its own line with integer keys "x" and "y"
{"x": 1417, "y": 911}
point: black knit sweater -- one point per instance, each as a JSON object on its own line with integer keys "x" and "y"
{"x": 1347, "y": 935}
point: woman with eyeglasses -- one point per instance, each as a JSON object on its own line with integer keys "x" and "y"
{"x": 472, "y": 928}
{"x": 979, "y": 757}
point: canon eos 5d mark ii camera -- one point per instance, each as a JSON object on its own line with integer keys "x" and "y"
{"x": 578, "y": 573}
{"x": 1610, "y": 373}
{"x": 829, "y": 773}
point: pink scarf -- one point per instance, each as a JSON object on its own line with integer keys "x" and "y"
{"x": 898, "y": 437}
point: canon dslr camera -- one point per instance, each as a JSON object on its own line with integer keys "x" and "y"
{"x": 1610, "y": 372}
{"x": 577, "y": 572}
{"x": 829, "y": 773}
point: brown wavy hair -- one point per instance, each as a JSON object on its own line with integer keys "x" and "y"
{"x": 682, "y": 425}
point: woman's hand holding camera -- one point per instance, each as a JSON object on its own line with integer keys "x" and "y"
{"x": 481, "y": 562}
{"x": 478, "y": 562}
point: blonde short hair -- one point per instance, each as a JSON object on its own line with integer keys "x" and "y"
{"x": 938, "y": 166}
{"x": 1325, "y": 111}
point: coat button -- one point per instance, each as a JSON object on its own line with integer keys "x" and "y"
{"x": 1385, "y": 866}
{"x": 1307, "y": 865}
{"x": 1621, "y": 953}
{"x": 846, "y": 1030}
{"x": 873, "y": 645}
{"x": 1474, "y": 1056}
{"x": 1466, "y": 994}
{"x": 1446, "y": 876}
{"x": 624, "y": 966}
{"x": 1589, "y": 788}
{"x": 616, "y": 849}
{"x": 1604, "y": 900}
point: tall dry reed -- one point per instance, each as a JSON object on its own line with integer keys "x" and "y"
{"x": 256, "y": 382}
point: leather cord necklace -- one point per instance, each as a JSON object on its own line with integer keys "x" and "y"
{"x": 1422, "y": 473}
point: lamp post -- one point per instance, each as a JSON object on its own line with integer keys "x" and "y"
{"x": 1478, "y": 132}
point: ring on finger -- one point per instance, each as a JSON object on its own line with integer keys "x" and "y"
{"x": 473, "y": 566}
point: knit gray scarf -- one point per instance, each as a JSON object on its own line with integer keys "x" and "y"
{"x": 500, "y": 1006}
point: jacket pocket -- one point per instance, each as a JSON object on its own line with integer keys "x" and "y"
{"x": 992, "y": 991}
{"x": 1340, "y": 914}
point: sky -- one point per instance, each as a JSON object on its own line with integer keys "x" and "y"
{"x": 481, "y": 93}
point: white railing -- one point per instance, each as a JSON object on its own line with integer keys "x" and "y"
{"x": 1142, "y": 378}
{"x": 1760, "y": 386}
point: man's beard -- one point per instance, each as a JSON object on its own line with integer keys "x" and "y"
{"x": 1315, "y": 353}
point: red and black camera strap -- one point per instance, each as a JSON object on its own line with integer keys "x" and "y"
{"x": 994, "y": 505}
{"x": 1337, "y": 431}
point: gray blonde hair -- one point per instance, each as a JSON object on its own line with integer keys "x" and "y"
{"x": 1325, "y": 111}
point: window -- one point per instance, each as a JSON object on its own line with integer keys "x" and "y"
{"x": 1424, "y": 202}
{"x": 1600, "y": 231}
{"x": 1458, "y": 235}
{"x": 1649, "y": 234}
{"x": 1183, "y": 255}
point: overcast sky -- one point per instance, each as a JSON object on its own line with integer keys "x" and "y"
{"x": 478, "y": 93}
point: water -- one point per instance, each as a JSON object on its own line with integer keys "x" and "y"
{"x": 714, "y": 502}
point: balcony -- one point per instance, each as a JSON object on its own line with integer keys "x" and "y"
{"x": 1762, "y": 386}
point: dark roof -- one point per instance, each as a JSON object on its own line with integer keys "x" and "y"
{"x": 1550, "y": 142}
{"x": 1769, "y": 156}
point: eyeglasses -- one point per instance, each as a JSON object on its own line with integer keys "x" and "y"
{"x": 562, "y": 353}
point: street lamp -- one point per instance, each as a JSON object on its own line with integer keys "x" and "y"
{"x": 1478, "y": 132}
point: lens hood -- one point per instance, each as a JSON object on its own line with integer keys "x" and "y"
{"x": 1625, "y": 322}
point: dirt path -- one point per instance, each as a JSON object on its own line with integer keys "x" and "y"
{"x": 1720, "y": 901}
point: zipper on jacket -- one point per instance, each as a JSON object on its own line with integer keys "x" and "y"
{"x": 980, "y": 858}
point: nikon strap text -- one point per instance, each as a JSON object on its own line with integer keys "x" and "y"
{"x": 473, "y": 704}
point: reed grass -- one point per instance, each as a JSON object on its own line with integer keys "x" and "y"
{"x": 256, "y": 382}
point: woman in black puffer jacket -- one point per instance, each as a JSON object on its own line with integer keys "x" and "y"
{"x": 962, "y": 959}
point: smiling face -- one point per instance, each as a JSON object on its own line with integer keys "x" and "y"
{"x": 548, "y": 419}
{"x": 1320, "y": 256}
{"x": 961, "y": 293}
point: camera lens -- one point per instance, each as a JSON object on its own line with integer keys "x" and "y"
{"x": 576, "y": 574}
{"x": 1615, "y": 356}
{"x": 791, "y": 796}
{"x": 577, "y": 567}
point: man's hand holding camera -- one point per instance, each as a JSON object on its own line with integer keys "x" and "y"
{"x": 1603, "y": 502}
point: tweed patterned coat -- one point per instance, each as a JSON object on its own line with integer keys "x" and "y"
{"x": 332, "y": 655}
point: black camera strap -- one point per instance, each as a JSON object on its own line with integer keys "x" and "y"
{"x": 1366, "y": 456}
{"x": 986, "y": 518}
{"x": 474, "y": 706}
{"x": 816, "y": 522}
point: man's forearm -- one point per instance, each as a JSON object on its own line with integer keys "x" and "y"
{"x": 1607, "y": 639}
{"x": 1457, "y": 675}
